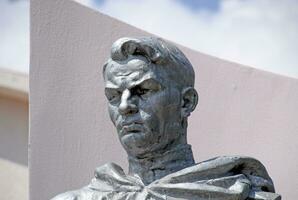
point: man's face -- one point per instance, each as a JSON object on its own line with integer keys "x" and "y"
{"x": 144, "y": 105}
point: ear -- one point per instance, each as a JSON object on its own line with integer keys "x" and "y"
{"x": 189, "y": 101}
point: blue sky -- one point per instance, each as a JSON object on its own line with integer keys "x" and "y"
{"x": 258, "y": 33}
{"x": 193, "y": 5}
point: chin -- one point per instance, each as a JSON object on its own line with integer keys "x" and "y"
{"x": 135, "y": 144}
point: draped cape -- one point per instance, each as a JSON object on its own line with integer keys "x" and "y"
{"x": 221, "y": 178}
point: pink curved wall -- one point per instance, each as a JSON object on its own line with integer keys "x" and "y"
{"x": 241, "y": 110}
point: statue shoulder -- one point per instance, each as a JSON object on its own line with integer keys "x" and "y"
{"x": 66, "y": 196}
{"x": 102, "y": 173}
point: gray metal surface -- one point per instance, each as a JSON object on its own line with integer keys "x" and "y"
{"x": 149, "y": 86}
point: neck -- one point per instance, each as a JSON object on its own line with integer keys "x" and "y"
{"x": 155, "y": 167}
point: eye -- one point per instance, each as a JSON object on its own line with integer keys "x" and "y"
{"x": 112, "y": 95}
{"x": 142, "y": 91}
{"x": 146, "y": 89}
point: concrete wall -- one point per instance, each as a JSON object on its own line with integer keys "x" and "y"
{"x": 14, "y": 85}
{"x": 241, "y": 110}
{"x": 13, "y": 180}
{"x": 14, "y": 124}
{"x": 13, "y": 148}
{"x": 14, "y": 130}
{"x": 14, "y": 116}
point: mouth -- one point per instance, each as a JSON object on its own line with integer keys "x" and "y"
{"x": 132, "y": 128}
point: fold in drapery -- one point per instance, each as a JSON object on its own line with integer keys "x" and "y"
{"x": 225, "y": 178}
{"x": 221, "y": 178}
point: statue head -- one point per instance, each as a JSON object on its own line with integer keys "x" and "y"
{"x": 149, "y": 85}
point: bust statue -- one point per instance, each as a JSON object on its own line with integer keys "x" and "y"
{"x": 149, "y": 85}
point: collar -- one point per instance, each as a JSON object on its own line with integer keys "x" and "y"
{"x": 153, "y": 168}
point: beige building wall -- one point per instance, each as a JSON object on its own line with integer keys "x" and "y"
{"x": 241, "y": 110}
{"x": 14, "y": 129}
{"x": 13, "y": 181}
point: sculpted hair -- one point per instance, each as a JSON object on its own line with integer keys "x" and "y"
{"x": 156, "y": 51}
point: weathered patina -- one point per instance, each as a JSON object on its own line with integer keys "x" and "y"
{"x": 149, "y": 85}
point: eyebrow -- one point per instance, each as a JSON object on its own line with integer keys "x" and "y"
{"x": 111, "y": 86}
{"x": 146, "y": 80}
{"x": 150, "y": 79}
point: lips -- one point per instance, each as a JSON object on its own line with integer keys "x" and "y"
{"x": 132, "y": 128}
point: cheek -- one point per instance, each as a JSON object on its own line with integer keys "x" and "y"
{"x": 151, "y": 121}
{"x": 161, "y": 108}
{"x": 164, "y": 102}
{"x": 165, "y": 97}
{"x": 113, "y": 112}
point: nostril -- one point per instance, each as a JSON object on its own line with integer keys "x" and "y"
{"x": 133, "y": 111}
{"x": 128, "y": 109}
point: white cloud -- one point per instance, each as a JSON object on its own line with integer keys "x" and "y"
{"x": 262, "y": 34}
{"x": 258, "y": 33}
{"x": 14, "y": 35}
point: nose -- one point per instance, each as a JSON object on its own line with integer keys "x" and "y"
{"x": 126, "y": 105}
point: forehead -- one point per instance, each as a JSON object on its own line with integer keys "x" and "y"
{"x": 125, "y": 68}
{"x": 130, "y": 72}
